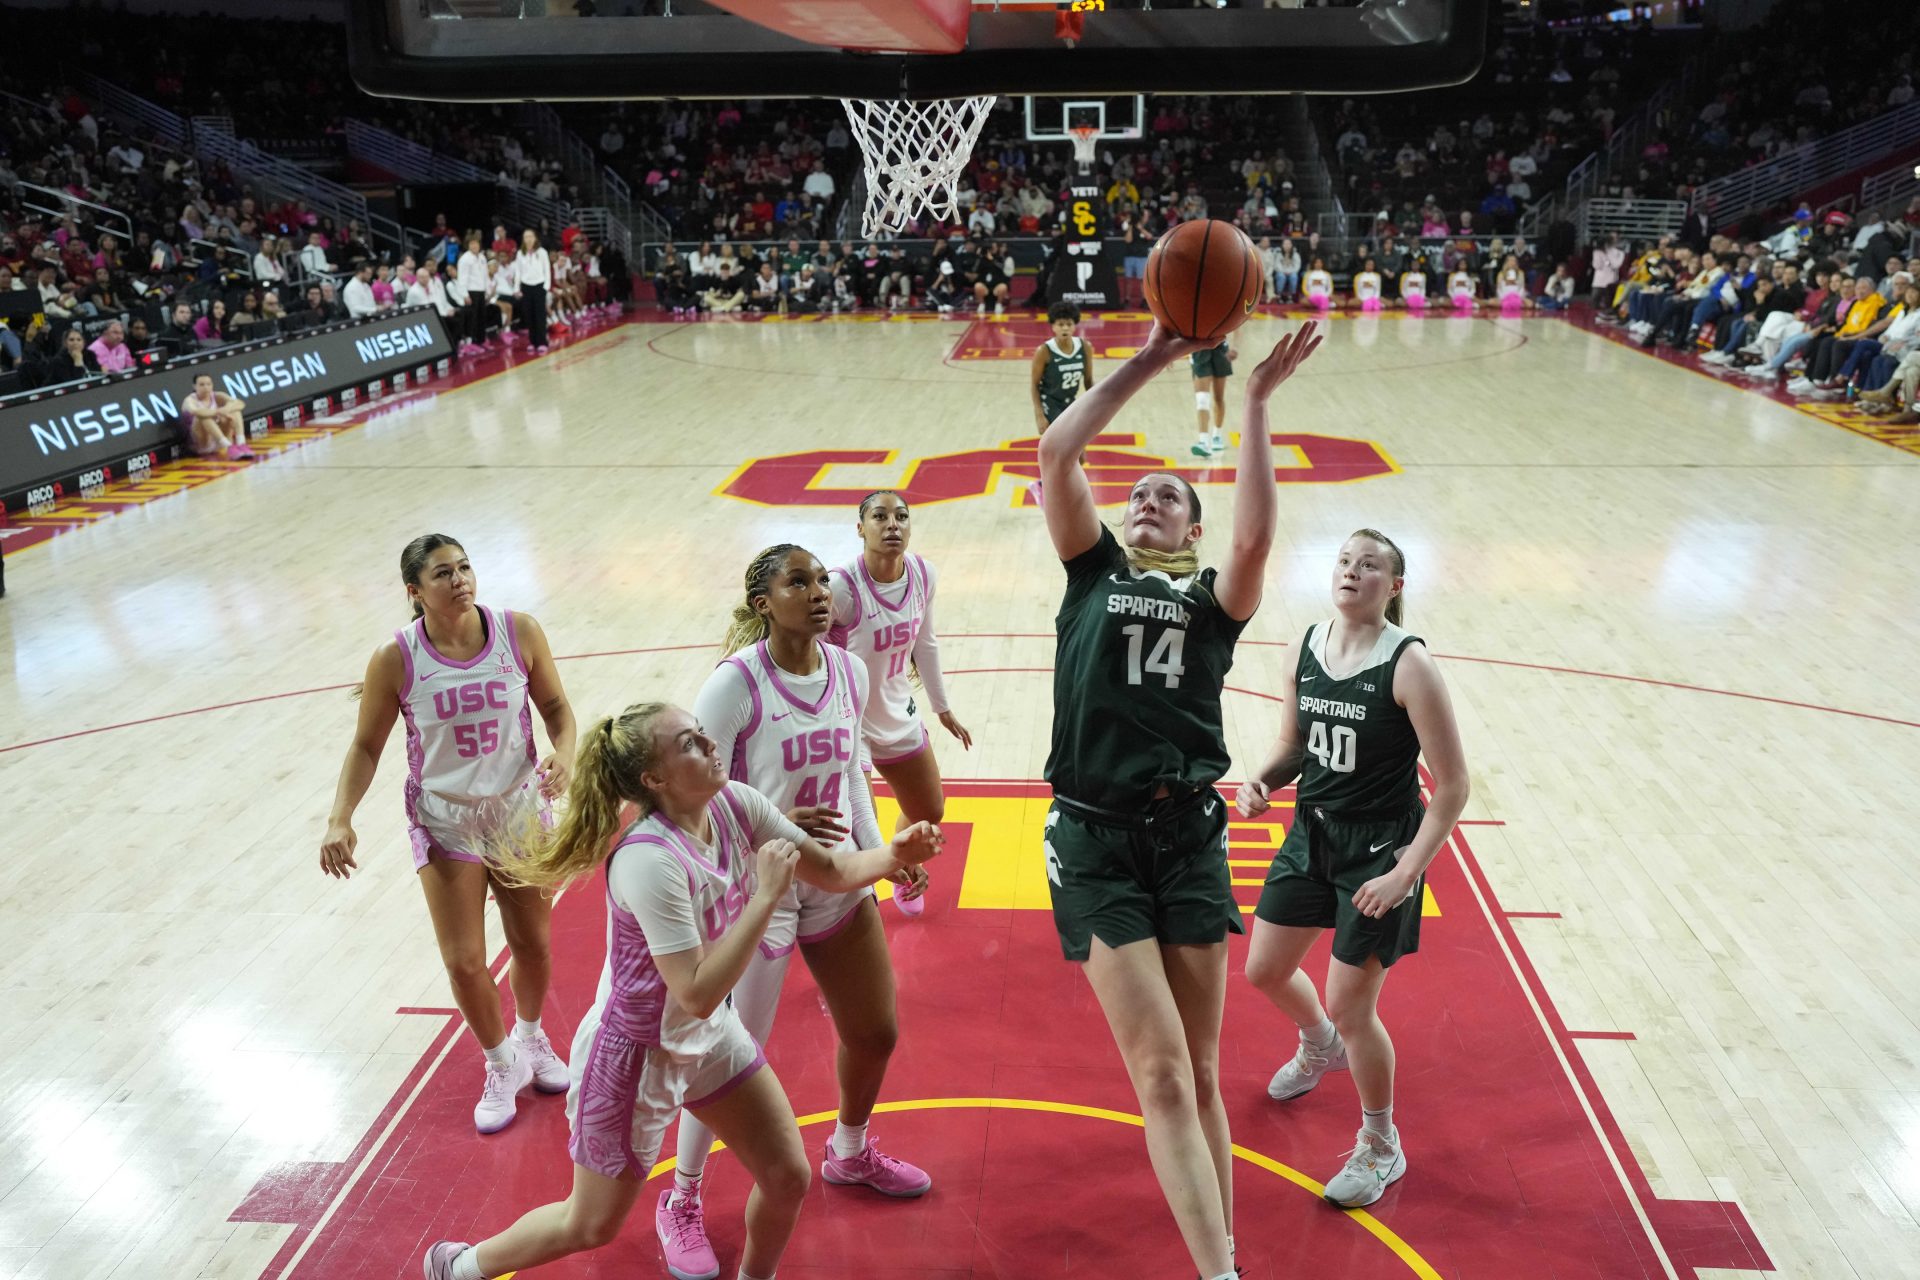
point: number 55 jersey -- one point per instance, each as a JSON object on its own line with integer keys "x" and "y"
{"x": 1139, "y": 662}
{"x": 470, "y": 750}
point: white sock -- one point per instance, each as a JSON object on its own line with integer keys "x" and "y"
{"x": 686, "y": 1186}
{"x": 1321, "y": 1036}
{"x": 524, "y": 1029}
{"x": 745, "y": 1276}
{"x": 467, "y": 1266}
{"x": 849, "y": 1140}
{"x": 502, "y": 1054}
{"x": 1378, "y": 1123}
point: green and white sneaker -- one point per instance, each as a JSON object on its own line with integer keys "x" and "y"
{"x": 1218, "y": 443}
{"x": 1374, "y": 1164}
{"x": 1203, "y": 447}
{"x": 1309, "y": 1064}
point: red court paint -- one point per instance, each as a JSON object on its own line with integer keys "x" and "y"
{"x": 1508, "y": 1179}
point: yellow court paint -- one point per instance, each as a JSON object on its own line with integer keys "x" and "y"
{"x": 1379, "y": 1230}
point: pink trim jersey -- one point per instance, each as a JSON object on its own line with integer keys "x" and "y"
{"x": 889, "y": 627}
{"x": 794, "y": 739}
{"x": 667, "y": 893}
{"x": 470, "y": 748}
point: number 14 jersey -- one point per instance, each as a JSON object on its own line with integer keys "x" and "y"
{"x": 1139, "y": 662}
{"x": 1361, "y": 751}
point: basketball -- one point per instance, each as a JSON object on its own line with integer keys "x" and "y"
{"x": 1203, "y": 279}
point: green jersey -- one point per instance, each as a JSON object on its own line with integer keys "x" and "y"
{"x": 1138, "y": 665}
{"x": 1063, "y": 375}
{"x": 1361, "y": 748}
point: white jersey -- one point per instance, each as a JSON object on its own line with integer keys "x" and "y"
{"x": 1319, "y": 282}
{"x": 794, "y": 739}
{"x": 1460, "y": 285}
{"x": 1366, "y": 286}
{"x": 889, "y": 627}
{"x": 470, "y": 748}
{"x": 1512, "y": 284}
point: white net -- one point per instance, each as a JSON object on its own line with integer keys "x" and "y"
{"x": 914, "y": 152}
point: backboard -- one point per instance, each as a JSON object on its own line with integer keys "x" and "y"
{"x": 489, "y": 50}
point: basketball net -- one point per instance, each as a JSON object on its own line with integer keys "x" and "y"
{"x": 1086, "y": 147}
{"x": 914, "y": 153}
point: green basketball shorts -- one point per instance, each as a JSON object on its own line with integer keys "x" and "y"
{"x": 1319, "y": 868}
{"x": 1161, "y": 874}
{"x": 1211, "y": 364}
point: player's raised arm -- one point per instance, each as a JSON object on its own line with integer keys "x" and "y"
{"x": 1072, "y": 521}
{"x": 1255, "y": 505}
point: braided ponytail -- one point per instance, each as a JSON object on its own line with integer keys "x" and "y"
{"x": 749, "y": 626}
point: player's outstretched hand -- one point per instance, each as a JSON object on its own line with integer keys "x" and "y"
{"x": 1166, "y": 346}
{"x": 822, "y": 822}
{"x": 1287, "y": 355}
{"x": 958, "y": 730}
{"x": 336, "y": 850}
{"x": 919, "y": 843}
{"x": 773, "y": 866}
{"x": 1252, "y": 799}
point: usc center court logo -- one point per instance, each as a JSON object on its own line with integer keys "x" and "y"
{"x": 1114, "y": 463}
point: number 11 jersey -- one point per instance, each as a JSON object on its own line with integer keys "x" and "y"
{"x": 1139, "y": 662}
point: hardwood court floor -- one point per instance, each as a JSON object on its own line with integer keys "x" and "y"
{"x": 1667, "y": 1021}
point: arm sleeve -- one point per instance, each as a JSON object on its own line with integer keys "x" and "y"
{"x": 926, "y": 652}
{"x": 647, "y": 882}
{"x": 766, "y": 821}
{"x": 846, "y": 607}
{"x": 864, "y": 827}
{"x": 724, "y": 707}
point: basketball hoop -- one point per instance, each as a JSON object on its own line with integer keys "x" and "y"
{"x": 914, "y": 153}
{"x": 1086, "y": 145}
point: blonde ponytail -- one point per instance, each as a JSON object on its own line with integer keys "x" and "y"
{"x": 749, "y": 626}
{"x": 607, "y": 765}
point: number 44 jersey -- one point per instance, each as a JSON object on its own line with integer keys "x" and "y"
{"x": 1139, "y": 662}
{"x": 1361, "y": 748}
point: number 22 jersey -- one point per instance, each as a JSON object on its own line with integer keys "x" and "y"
{"x": 1139, "y": 662}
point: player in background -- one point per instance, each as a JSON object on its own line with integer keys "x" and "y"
{"x": 216, "y": 421}
{"x": 1062, "y": 366}
{"x": 785, "y": 711}
{"x": 1367, "y": 702}
{"x": 1135, "y": 843}
{"x": 1211, "y": 369}
{"x": 883, "y": 615}
{"x": 691, "y": 886}
{"x": 467, "y": 680}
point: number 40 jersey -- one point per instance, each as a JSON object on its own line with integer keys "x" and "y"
{"x": 1361, "y": 748}
{"x": 1139, "y": 662}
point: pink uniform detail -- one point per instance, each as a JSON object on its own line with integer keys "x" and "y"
{"x": 640, "y": 1056}
{"x": 889, "y": 627}
{"x": 470, "y": 747}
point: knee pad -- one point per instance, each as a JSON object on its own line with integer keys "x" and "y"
{"x": 1203, "y": 400}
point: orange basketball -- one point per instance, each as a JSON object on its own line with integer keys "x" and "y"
{"x": 1203, "y": 279}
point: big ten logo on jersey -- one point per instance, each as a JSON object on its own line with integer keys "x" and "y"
{"x": 832, "y": 748}
{"x": 899, "y": 637}
{"x": 1113, "y": 463}
{"x": 480, "y": 738}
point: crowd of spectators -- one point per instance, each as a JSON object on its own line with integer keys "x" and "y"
{"x": 1828, "y": 304}
{"x": 113, "y": 248}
